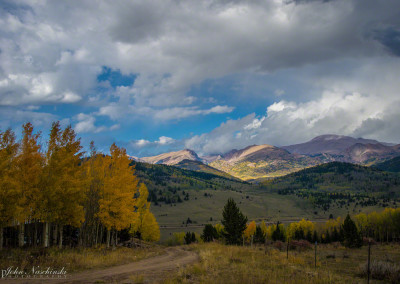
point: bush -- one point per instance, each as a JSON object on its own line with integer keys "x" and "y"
{"x": 177, "y": 239}
{"x": 367, "y": 240}
{"x": 279, "y": 245}
{"x": 381, "y": 270}
{"x": 300, "y": 245}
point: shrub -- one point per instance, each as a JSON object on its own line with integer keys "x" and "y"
{"x": 300, "y": 245}
{"x": 279, "y": 245}
{"x": 381, "y": 270}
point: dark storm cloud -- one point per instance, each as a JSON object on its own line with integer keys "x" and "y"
{"x": 390, "y": 38}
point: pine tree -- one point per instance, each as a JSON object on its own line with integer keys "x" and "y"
{"x": 278, "y": 234}
{"x": 327, "y": 237}
{"x": 259, "y": 236}
{"x": 234, "y": 222}
{"x": 209, "y": 233}
{"x": 352, "y": 237}
{"x": 188, "y": 238}
{"x": 315, "y": 237}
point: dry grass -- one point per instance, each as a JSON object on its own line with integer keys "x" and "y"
{"x": 382, "y": 270}
{"x": 232, "y": 264}
{"x": 75, "y": 259}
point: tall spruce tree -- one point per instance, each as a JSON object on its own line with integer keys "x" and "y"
{"x": 351, "y": 236}
{"x": 234, "y": 223}
{"x": 209, "y": 233}
{"x": 259, "y": 236}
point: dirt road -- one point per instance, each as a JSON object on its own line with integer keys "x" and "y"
{"x": 152, "y": 269}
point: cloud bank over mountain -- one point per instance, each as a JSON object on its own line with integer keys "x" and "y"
{"x": 242, "y": 72}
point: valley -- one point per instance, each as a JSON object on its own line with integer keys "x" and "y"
{"x": 189, "y": 194}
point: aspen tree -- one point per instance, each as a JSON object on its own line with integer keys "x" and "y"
{"x": 71, "y": 192}
{"x": 144, "y": 223}
{"x": 8, "y": 185}
{"x": 250, "y": 230}
{"x": 63, "y": 192}
{"x": 94, "y": 168}
{"x": 29, "y": 164}
{"x": 117, "y": 202}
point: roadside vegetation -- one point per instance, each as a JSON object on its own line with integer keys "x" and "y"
{"x": 299, "y": 252}
{"x": 220, "y": 263}
{"x": 74, "y": 259}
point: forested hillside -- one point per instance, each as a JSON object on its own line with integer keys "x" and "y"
{"x": 392, "y": 165}
{"x": 170, "y": 184}
{"x": 340, "y": 184}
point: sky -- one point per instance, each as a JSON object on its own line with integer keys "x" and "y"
{"x": 162, "y": 75}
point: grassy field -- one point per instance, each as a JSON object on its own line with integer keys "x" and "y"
{"x": 256, "y": 205}
{"x": 233, "y": 264}
{"x": 74, "y": 259}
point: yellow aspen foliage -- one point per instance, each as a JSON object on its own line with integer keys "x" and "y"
{"x": 332, "y": 223}
{"x": 144, "y": 223}
{"x": 303, "y": 225}
{"x": 8, "y": 184}
{"x": 307, "y": 226}
{"x": 29, "y": 165}
{"x": 291, "y": 230}
{"x": 150, "y": 231}
{"x": 361, "y": 221}
{"x": 117, "y": 202}
{"x": 220, "y": 228}
{"x": 71, "y": 193}
{"x": 270, "y": 230}
{"x": 250, "y": 230}
{"x": 263, "y": 227}
{"x": 63, "y": 192}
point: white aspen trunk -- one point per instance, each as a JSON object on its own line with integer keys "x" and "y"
{"x": 21, "y": 235}
{"x": 46, "y": 234}
{"x": 108, "y": 238}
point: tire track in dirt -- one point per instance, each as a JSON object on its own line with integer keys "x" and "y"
{"x": 153, "y": 269}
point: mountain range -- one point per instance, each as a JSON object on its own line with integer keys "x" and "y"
{"x": 266, "y": 161}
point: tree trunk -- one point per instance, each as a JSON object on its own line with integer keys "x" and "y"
{"x": 116, "y": 237}
{"x": 35, "y": 234}
{"x": 46, "y": 234}
{"x": 108, "y": 237}
{"x": 1, "y": 238}
{"x": 60, "y": 241}
{"x": 112, "y": 238}
{"x": 97, "y": 231}
{"x": 55, "y": 234}
{"x": 21, "y": 234}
